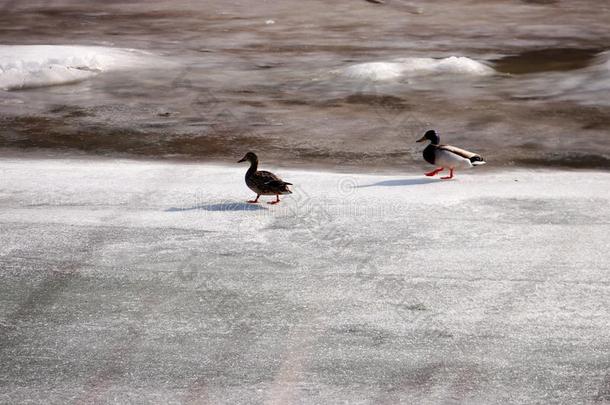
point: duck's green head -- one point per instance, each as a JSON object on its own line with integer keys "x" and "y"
{"x": 431, "y": 136}
{"x": 250, "y": 157}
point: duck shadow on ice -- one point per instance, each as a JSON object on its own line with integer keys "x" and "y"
{"x": 401, "y": 182}
{"x": 223, "y": 206}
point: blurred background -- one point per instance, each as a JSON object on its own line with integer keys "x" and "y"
{"x": 342, "y": 84}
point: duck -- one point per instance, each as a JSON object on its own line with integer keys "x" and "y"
{"x": 447, "y": 156}
{"x": 263, "y": 182}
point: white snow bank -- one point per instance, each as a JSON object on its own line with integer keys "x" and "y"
{"x": 416, "y": 66}
{"x": 26, "y": 66}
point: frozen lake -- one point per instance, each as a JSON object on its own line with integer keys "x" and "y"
{"x": 124, "y": 281}
{"x": 322, "y": 83}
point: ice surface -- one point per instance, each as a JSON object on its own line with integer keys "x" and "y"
{"x": 416, "y": 66}
{"x": 25, "y": 66}
{"x": 136, "y": 282}
{"x": 591, "y": 85}
{"x": 588, "y": 86}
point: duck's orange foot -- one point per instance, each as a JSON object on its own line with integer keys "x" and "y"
{"x": 252, "y": 202}
{"x": 434, "y": 172}
{"x": 448, "y": 177}
{"x": 274, "y": 202}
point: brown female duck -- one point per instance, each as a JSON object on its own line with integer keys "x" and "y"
{"x": 263, "y": 182}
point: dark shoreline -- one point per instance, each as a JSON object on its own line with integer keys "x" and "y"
{"x": 353, "y": 131}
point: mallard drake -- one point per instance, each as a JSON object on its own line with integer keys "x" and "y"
{"x": 263, "y": 182}
{"x": 446, "y": 156}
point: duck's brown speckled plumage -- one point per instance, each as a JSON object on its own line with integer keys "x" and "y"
{"x": 263, "y": 182}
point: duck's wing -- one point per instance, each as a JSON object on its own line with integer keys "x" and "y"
{"x": 473, "y": 157}
{"x": 266, "y": 176}
{"x": 277, "y": 183}
{"x": 270, "y": 182}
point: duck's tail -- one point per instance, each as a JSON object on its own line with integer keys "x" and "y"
{"x": 477, "y": 160}
{"x": 279, "y": 186}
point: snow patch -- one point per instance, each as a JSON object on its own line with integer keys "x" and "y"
{"x": 27, "y": 66}
{"x": 416, "y": 66}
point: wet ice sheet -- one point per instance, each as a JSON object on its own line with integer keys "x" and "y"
{"x": 131, "y": 282}
{"x": 240, "y": 81}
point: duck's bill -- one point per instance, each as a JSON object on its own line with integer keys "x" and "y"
{"x": 241, "y": 160}
{"x": 423, "y": 138}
